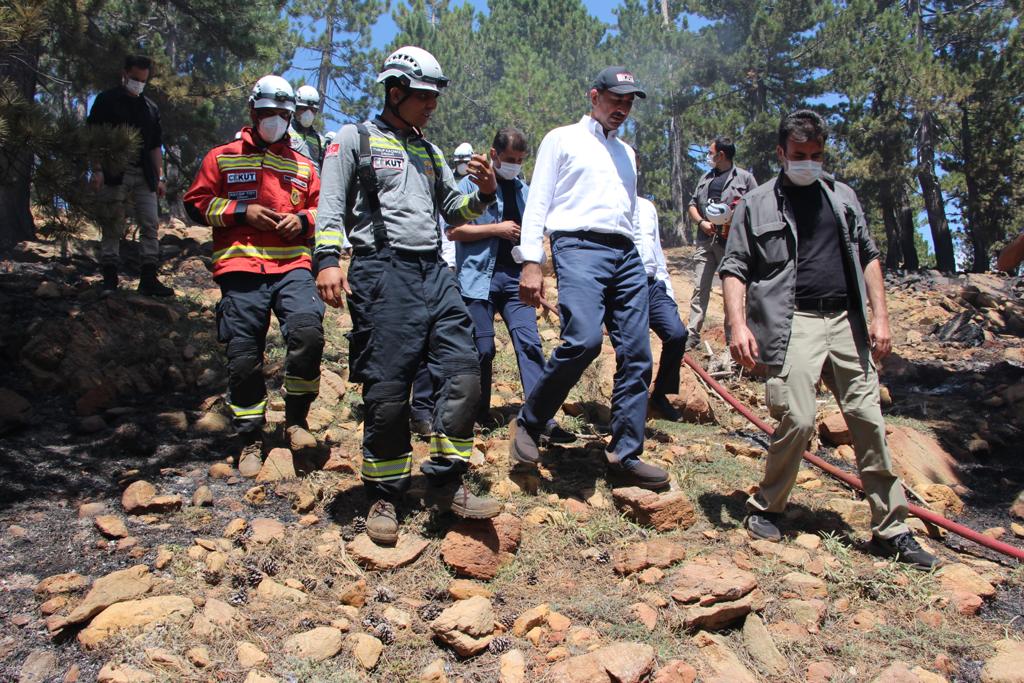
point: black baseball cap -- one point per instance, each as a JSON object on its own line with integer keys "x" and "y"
{"x": 619, "y": 80}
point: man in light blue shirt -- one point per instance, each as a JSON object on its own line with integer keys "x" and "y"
{"x": 584, "y": 196}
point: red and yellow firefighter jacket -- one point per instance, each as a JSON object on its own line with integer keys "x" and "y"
{"x": 240, "y": 173}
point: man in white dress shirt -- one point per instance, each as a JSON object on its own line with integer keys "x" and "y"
{"x": 664, "y": 313}
{"x": 584, "y": 196}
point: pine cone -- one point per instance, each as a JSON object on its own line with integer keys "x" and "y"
{"x": 212, "y": 577}
{"x": 385, "y": 632}
{"x": 604, "y": 557}
{"x": 434, "y": 594}
{"x": 309, "y": 583}
{"x": 430, "y": 611}
{"x": 359, "y": 524}
{"x": 499, "y": 645}
{"x": 239, "y": 597}
{"x": 531, "y": 579}
{"x": 329, "y": 581}
{"x": 382, "y": 594}
{"x": 268, "y": 566}
{"x": 307, "y": 624}
{"x": 507, "y": 620}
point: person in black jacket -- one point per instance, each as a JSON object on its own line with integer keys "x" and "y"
{"x": 140, "y": 182}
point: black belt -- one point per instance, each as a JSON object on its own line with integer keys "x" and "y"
{"x": 610, "y": 239}
{"x": 829, "y": 304}
{"x": 403, "y": 254}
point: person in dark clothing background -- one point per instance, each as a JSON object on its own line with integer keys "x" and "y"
{"x": 139, "y": 183}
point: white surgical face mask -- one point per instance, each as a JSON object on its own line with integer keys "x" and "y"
{"x": 306, "y": 118}
{"x": 134, "y": 87}
{"x": 710, "y": 159}
{"x": 273, "y": 128}
{"x": 508, "y": 171}
{"x": 802, "y": 172}
{"x": 462, "y": 168}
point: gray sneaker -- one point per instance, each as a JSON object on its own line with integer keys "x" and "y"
{"x": 524, "y": 448}
{"x": 382, "y": 523}
{"x": 905, "y": 548}
{"x": 762, "y": 526}
{"x": 636, "y": 472}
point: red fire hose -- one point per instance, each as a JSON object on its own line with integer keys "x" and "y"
{"x": 850, "y": 480}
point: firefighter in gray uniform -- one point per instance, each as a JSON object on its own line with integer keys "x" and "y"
{"x": 383, "y": 187}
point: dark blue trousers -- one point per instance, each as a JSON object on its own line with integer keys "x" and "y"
{"x": 601, "y": 280}
{"x": 665, "y": 323}
{"x": 521, "y": 321}
{"x": 424, "y": 386}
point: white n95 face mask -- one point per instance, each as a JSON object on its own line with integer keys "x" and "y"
{"x": 306, "y": 118}
{"x": 508, "y": 171}
{"x": 802, "y": 172}
{"x": 134, "y": 87}
{"x": 462, "y": 168}
{"x": 273, "y": 128}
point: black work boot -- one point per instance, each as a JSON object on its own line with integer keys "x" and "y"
{"x": 382, "y": 523}
{"x": 636, "y": 472}
{"x": 555, "y": 434}
{"x": 457, "y": 497}
{"x": 109, "y": 277}
{"x": 524, "y": 449}
{"x": 150, "y": 285}
{"x": 762, "y": 526}
{"x": 421, "y": 427}
{"x": 905, "y": 548}
{"x": 661, "y": 403}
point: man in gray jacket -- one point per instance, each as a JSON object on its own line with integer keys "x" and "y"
{"x": 716, "y": 195}
{"x": 800, "y": 254}
{"x": 384, "y": 185}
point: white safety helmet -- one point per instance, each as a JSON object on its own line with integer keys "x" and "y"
{"x": 718, "y": 213}
{"x": 307, "y": 96}
{"x": 272, "y": 92}
{"x": 329, "y": 137}
{"x": 415, "y": 67}
{"x": 463, "y": 152}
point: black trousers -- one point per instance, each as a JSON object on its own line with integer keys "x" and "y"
{"x": 405, "y": 309}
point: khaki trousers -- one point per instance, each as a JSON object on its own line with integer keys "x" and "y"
{"x": 706, "y": 260}
{"x": 826, "y": 345}
{"x": 111, "y": 210}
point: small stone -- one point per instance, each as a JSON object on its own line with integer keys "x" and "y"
{"x": 257, "y": 495}
{"x": 664, "y": 511}
{"x": 61, "y": 583}
{"x": 353, "y": 594}
{"x": 557, "y": 654}
{"x": 761, "y": 647}
{"x": 258, "y": 677}
{"x": 367, "y": 553}
{"x": 621, "y": 662}
{"x": 234, "y": 527}
{"x": 264, "y": 530}
{"x": 820, "y": 672}
{"x": 279, "y": 465}
{"x": 460, "y": 589}
{"x": 202, "y": 497}
{"x": 53, "y": 605}
{"x": 366, "y": 649}
{"x": 272, "y": 591}
{"x": 645, "y": 614}
{"x": 804, "y": 585}
{"x": 199, "y": 657}
{"x": 212, "y": 423}
{"x": 398, "y": 618}
{"x": 478, "y": 548}
{"x": 558, "y": 622}
{"x": 434, "y": 672}
{"x": 87, "y": 510}
{"x": 122, "y": 673}
{"x": 318, "y": 644}
{"x": 675, "y": 671}
{"x": 38, "y": 667}
{"x": 111, "y": 526}
{"x": 221, "y": 470}
{"x": 512, "y": 667}
{"x": 466, "y": 627}
{"x": 140, "y": 498}
{"x": 249, "y": 656}
{"x": 118, "y": 586}
{"x": 529, "y": 619}
{"x": 167, "y": 609}
{"x": 808, "y": 541}
{"x": 1005, "y": 665}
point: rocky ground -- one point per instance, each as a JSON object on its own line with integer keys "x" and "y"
{"x": 132, "y": 550}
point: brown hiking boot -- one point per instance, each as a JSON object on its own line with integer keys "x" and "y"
{"x": 299, "y": 438}
{"x": 457, "y": 498}
{"x": 382, "y": 523}
{"x": 250, "y": 460}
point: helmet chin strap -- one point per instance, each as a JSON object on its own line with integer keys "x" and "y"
{"x": 393, "y": 108}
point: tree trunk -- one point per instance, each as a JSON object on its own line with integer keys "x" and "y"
{"x": 679, "y": 198}
{"x": 975, "y": 226}
{"x": 664, "y": 12}
{"x": 324, "y": 75}
{"x": 932, "y": 193}
{"x": 18, "y": 65}
{"x": 905, "y": 216}
{"x": 893, "y": 243}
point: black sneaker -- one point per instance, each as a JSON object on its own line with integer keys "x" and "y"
{"x": 524, "y": 448}
{"x": 636, "y": 472}
{"x": 692, "y": 341}
{"x": 555, "y": 434}
{"x": 762, "y": 526}
{"x": 661, "y": 403}
{"x": 905, "y": 548}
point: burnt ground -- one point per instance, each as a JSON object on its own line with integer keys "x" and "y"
{"x": 56, "y": 458}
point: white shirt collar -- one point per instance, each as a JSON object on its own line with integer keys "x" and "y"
{"x": 595, "y": 127}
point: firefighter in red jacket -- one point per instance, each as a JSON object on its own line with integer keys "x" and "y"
{"x": 260, "y": 197}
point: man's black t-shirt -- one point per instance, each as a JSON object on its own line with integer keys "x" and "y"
{"x": 116, "y": 107}
{"x": 509, "y": 212}
{"x": 717, "y": 186}
{"x": 820, "y": 270}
